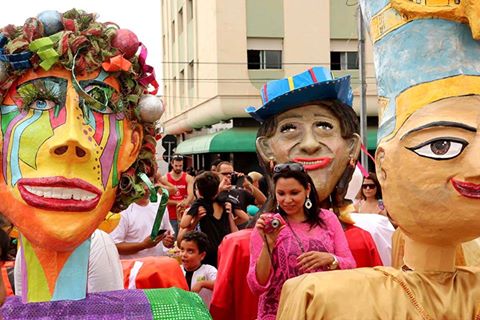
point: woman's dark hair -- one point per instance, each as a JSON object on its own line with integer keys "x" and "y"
{"x": 263, "y": 185}
{"x": 312, "y": 214}
{"x": 207, "y": 184}
{"x": 200, "y": 239}
{"x": 349, "y": 125}
{"x": 372, "y": 176}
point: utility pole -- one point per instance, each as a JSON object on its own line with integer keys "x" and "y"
{"x": 363, "y": 87}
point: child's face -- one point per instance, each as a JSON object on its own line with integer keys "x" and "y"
{"x": 191, "y": 257}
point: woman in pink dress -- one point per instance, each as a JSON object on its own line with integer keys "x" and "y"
{"x": 307, "y": 239}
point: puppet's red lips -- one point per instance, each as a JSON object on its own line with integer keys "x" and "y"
{"x": 466, "y": 189}
{"x": 59, "y": 193}
{"x": 313, "y": 163}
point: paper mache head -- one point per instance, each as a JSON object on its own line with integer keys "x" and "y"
{"x": 427, "y": 63}
{"x": 78, "y": 111}
{"x": 308, "y": 118}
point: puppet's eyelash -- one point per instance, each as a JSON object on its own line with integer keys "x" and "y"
{"x": 38, "y": 90}
{"x": 287, "y": 127}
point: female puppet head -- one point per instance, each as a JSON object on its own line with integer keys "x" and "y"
{"x": 428, "y": 75}
{"x": 76, "y": 127}
{"x": 308, "y": 119}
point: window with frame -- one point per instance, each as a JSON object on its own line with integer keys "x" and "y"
{"x": 347, "y": 60}
{"x": 264, "y": 59}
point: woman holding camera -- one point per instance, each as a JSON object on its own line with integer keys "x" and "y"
{"x": 300, "y": 238}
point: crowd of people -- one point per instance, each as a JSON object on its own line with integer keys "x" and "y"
{"x": 78, "y": 133}
{"x": 234, "y": 237}
{"x": 215, "y": 231}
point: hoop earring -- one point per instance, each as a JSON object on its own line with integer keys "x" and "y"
{"x": 278, "y": 208}
{"x": 308, "y": 203}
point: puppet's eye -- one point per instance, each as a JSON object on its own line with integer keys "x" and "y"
{"x": 443, "y": 148}
{"x": 288, "y": 127}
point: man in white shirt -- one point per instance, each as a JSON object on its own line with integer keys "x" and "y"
{"x": 132, "y": 235}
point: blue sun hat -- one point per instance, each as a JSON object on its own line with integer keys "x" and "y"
{"x": 314, "y": 84}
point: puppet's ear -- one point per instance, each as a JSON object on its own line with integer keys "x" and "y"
{"x": 355, "y": 143}
{"x": 379, "y": 161}
{"x": 133, "y": 143}
{"x": 265, "y": 151}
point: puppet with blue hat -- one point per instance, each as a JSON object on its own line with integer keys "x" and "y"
{"x": 428, "y": 75}
{"x": 299, "y": 98}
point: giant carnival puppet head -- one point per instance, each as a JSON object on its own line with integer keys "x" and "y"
{"x": 77, "y": 125}
{"x": 427, "y": 59}
{"x": 308, "y": 119}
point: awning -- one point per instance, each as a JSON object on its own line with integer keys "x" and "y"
{"x": 238, "y": 140}
{"x": 230, "y": 140}
{"x": 371, "y": 139}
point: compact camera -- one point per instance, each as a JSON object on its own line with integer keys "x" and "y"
{"x": 237, "y": 180}
{"x": 273, "y": 221}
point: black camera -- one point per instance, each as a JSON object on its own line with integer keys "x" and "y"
{"x": 237, "y": 180}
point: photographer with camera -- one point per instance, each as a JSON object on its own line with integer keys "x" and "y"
{"x": 235, "y": 185}
{"x": 216, "y": 218}
{"x": 299, "y": 227}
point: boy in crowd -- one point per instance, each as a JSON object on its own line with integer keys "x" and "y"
{"x": 200, "y": 277}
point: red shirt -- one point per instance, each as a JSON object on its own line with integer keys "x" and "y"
{"x": 363, "y": 247}
{"x": 232, "y": 298}
{"x": 182, "y": 192}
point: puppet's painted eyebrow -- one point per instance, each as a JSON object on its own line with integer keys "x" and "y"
{"x": 293, "y": 116}
{"x": 85, "y": 83}
{"x": 450, "y": 124}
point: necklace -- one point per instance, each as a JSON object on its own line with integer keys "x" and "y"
{"x": 411, "y": 296}
{"x": 300, "y": 244}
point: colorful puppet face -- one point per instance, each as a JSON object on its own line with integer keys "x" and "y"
{"x": 60, "y": 167}
{"x": 430, "y": 172}
{"x": 310, "y": 135}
